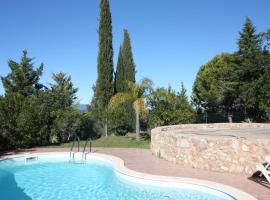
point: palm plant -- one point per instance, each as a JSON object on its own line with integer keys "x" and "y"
{"x": 136, "y": 95}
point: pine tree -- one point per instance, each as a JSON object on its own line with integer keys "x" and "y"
{"x": 128, "y": 62}
{"x": 23, "y": 78}
{"x": 249, "y": 50}
{"x": 120, "y": 83}
{"x": 64, "y": 89}
{"x": 104, "y": 84}
{"x": 250, "y": 69}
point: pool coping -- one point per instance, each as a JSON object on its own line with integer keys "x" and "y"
{"x": 122, "y": 170}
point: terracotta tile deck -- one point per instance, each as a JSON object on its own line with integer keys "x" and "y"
{"x": 142, "y": 160}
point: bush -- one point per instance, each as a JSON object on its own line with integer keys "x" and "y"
{"x": 170, "y": 108}
{"x": 87, "y": 127}
{"x": 122, "y": 119}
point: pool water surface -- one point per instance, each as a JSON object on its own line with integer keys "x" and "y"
{"x": 50, "y": 178}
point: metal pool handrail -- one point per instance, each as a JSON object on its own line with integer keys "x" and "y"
{"x": 76, "y": 139}
{"x": 85, "y": 145}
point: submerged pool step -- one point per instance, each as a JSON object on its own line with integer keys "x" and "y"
{"x": 31, "y": 158}
{"x": 77, "y": 157}
{"x": 77, "y": 161}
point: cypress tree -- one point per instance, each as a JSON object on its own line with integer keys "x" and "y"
{"x": 128, "y": 61}
{"x": 129, "y": 75}
{"x": 120, "y": 73}
{"x": 104, "y": 85}
{"x": 125, "y": 71}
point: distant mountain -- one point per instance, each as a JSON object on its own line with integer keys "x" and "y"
{"x": 82, "y": 107}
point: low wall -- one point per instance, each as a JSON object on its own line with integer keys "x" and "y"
{"x": 234, "y": 148}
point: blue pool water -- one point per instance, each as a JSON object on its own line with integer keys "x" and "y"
{"x": 58, "y": 179}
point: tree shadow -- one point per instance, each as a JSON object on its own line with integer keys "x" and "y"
{"x": 9, "y": 188}
{"x": 14, "y": 152}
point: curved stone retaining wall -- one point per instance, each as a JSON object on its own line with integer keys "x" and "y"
{"x": 235, "y": 148}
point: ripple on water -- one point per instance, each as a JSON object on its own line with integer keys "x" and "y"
{"x": 92, "y": 181}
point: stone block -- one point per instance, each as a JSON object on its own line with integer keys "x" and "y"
{"x": 183, "y": 143}
{"x": 211, "y": 152}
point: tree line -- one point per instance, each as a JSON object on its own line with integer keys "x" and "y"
{"x": 36, "y": 114}
{"x": 33, "y": 114}
{"x": 237, "y": 84}
{"x": 119, "y": 104}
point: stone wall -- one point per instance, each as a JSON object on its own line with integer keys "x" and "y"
{"x": 216, "y": 147}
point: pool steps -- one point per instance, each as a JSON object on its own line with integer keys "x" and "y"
{"x": 31, "y": 158}
{"x": 83, "y": 153}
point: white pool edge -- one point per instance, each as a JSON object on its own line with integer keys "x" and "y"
{"x": 157, "y": 180}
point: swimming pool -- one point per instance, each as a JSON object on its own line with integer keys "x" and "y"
{"x": 53, "y": 177}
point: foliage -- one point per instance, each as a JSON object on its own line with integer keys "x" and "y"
{"x": 238, "y": 82}
{"x": 250, "y": 58}
{"x": 128, "y": 60}
{"x": 63, "y": 89}
{"x": 264, "y": 81}
{"x": 125, "y": 70}
{"x": 120, "y": 83}
{"x": 104, "y": 85}
{"x": 121, "y": 120}
{"x": 169, "y": 108}
{"x": 136, "y": 97}
{"x": 32, "y": 115}
{"x": 87, "y": 128}
{"x": 22, "y": 122}
{"x": 23, "y": 79}
{"x": 66, "y": 119}
{"x": 215, "y": 86}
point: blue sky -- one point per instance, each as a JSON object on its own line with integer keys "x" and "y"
{"x": 171, "y": 39}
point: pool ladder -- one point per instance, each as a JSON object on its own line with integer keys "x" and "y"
{"x": 71, "y": 152}
{"x": 84, "y": 152}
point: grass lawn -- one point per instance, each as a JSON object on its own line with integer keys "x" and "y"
{"x": 113, "y": 141}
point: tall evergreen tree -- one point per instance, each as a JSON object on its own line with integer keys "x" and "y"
{"x": 249, "y": 52}
{"x": 64, "y": 88}
{"x": 19, "y": 111}
{"x": 120, "y": 84}
{"x": 249, "y": 71}
{"x": 125, "y": 73}
{"x": 264, "y": 81}
{"x": 104, "y": 85}
{"x": 23, "y": 78}
{"x": 128, "y": 62}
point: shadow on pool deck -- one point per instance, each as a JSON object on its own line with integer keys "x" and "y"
{"x": 260, "y": 180}
{"x": 142, "y": 160}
